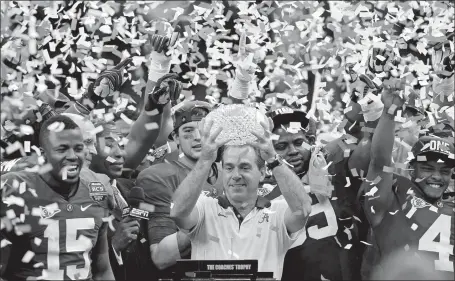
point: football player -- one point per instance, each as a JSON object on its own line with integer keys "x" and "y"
{"x": 55, "y": 221}
{"x": 325, "y": 251}
{"x": 411, "y": 214}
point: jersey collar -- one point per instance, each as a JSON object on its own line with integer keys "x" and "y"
{"x": 261, "y": 202}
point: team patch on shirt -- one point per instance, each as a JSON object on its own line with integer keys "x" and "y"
{"x": 97, "y": 191}
{"x": 419, "y": 203}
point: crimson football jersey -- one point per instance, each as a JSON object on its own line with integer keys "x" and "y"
{"x": 413, "y": 224}
{"x": 54, "y": 237}
{"x": 331, "y": 236}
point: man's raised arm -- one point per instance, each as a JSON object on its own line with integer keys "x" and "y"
{"x": 185, "y": 198}
{"x": 290, "y": 185}
{"x": 160, "y": 89}
{"x": 380, "y": 175}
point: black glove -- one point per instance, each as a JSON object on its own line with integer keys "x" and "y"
{"x": 167, "y": 89}
{"x": 162, "y": 43}
{"x": 375, "y": 65}
{"x": 107, "y": 82}
{"x": 443, "y": 60}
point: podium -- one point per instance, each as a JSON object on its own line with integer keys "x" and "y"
{"x": 208, "y": 270}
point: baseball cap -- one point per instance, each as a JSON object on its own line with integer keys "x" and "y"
{"x": 285, "y": 115}
{"x": 187, "y": 111}
{"x": 436, "y": 146}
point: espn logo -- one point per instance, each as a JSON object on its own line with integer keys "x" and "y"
{"x": 138, "y": 213}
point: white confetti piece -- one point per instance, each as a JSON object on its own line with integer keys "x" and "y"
{"x": 348, "y": 182}
{"x": 37, "y": 241}
{"x": 28, "y": 257}
{"x": 372, "y": 191}
{"x": 4, "y": 243}
{"x": 151, "y": 126}
{"x": 368, "y": 244}
{"x": 27, "y": 146}
{"x": 110, "y": 159}
{"x": 414, "y": 226}
{"x": 348, "y": 246}
{"x": 38, "y": 265}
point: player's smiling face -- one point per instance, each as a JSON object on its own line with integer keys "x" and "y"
{"x": 65, "y": 151}
{"x": 432, "y": 177}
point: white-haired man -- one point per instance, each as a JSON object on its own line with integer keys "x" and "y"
{"x": 241, "y": 225}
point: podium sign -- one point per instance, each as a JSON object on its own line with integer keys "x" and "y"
{"x": 218, "y": 267}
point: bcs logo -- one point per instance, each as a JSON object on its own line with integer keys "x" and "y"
{"x": 97, "y": 191}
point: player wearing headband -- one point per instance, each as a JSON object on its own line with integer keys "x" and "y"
{"x": 161, "y": 180}
{"x": 411, "y": 214}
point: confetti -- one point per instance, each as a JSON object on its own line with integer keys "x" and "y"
{"x": 28, "y": 257}
{"x": 388, "y": 169}
{"x": 37, "y": 241}
{"x": 151, "y": 126}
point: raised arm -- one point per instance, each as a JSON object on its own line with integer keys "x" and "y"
{"x": 294, "y": 193}
{"x": 160, "y": 89}
{"x": 186, "y": 195}
{"x": 141, "y": 139}
{"x": 188, "y": 192}
{"x": 379, "y": 178}
{"x": 290, "y": 185}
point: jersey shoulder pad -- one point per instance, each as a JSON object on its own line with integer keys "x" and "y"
{"x": 160, "y": 171}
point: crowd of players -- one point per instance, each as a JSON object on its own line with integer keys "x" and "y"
{"x": 65, "y": 207}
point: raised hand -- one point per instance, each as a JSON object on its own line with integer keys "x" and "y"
{"x": 162, "y": 40}
{"x": 209, "y": 142}
{"x": 391, "y": 93}
{"x": 164, "y": 37}
{"x": 264, "y": 141}
{"x": 443, "y": 60}
{"x": 244, "y": 59}
{"x": 110, "y": 80}
{"x": 168, "y": 88}
{"x": 382, "y": 61}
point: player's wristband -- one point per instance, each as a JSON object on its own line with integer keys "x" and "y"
{"x": 159, "y": 66}
{"x": 277, "y": 161}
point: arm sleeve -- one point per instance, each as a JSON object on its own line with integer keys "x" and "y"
{"x": 158, "y": 192}
{"x": 160, "y": 226}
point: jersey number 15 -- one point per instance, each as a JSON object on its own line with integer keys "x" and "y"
{"x": 72, "y": 245}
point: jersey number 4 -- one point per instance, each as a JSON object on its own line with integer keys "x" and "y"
{"x": 441, "y": 228}
{"x": 72, "y": 244}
